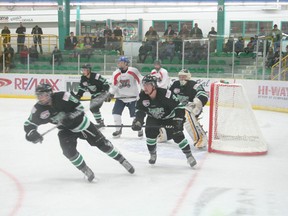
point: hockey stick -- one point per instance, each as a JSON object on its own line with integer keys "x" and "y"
{"x": 85, "y": 99}
{"x": 125, "y": 97}
{"x": 59, "y": 124}
{"x": 97, "y": 101}
{"x": 49, "y": 130}
{"x": 88, "y": 99}
{"x": 145, "y": 126}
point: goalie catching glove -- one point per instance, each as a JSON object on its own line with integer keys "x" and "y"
{"x": 195, "y": 107}
{"x": 136, "y": 125}
{"x": 34, "y": 137}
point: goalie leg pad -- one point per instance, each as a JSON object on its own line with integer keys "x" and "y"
{"x": 195, "y": 130}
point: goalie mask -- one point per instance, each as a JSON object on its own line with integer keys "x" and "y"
{"x": 184, "y": 75}
{"x": 43, "y": 93}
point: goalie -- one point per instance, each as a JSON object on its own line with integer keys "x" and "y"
{"x": 194, "y": 97}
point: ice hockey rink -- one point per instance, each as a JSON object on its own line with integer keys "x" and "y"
{"x": 37, "y": 180}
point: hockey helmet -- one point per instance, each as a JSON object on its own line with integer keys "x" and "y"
{"x": 42, "y": 88}
{"x": 184, "y": 73}
{"x": 124, "y": 59}
{"x": 157, "y": 62}
{"x": 43, "y": 93}
{"x": 150, "y": 79}
{"x": 87, "y": 66}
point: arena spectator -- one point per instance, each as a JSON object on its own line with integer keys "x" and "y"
{"x": 21, "y": 30}
{"x": 196, "y": 32}
{"x": 143, "y": 52}
{"x": 5, "y": 33}
{"x": 70, "y": 42}
{"x": 24, "y": 55}
{"x": 57, "y": 56}
{"x": 37, "y": 37}
{"x": 9, "y": 57}
{"x": 168, "y": 34}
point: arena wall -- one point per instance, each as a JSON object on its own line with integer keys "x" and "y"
{"x": 263, "y": 94}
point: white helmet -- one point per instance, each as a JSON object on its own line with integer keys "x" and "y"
{"x": 186, "y": 73}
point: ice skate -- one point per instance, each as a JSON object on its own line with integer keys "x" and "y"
{"x": 100, "y": 123}
{"x": 88, "y": 173}
{"x": 127, "y": 166}
{"x": 191, "y": 160}
{"x": 153, "y": 158}
{"x": 140, "y": 133}
{"x": 117, "y": 133}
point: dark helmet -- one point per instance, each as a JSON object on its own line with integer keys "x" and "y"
{"x": 43, "y": 87}
{"x": 86, "y": 66}
{"x": 150, "y": 79}
{"x": 124, "y": 59}
{"x": 157, "y": 62}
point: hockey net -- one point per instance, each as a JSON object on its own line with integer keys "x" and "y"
{"x": 233, "y": 128}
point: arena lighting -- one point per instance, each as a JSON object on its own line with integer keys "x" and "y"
{"x": 146, "y": 3}
{"x": 178, "y": 3}
{"x": 276, "y": 3}
{"x": 111, "y": 3}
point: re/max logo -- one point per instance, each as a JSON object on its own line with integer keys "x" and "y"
{"x": 28, "y": 84}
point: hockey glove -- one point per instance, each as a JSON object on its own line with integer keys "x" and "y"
{"x": 195, "y": 107}
{"x": 34, "y": 137}
{"x": 136, "y": 125}
{"x": 78, "y": 97}
{"x": 198, "y": 106}
{"x": 109, "y": 97}
{"x": 178, "y": 124}
{"x": 69, "y": 118}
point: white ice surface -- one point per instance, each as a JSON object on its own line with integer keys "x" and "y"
{"x": 37, "y": 180}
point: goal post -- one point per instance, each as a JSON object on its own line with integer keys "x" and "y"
{"x": 233, "y": 128}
